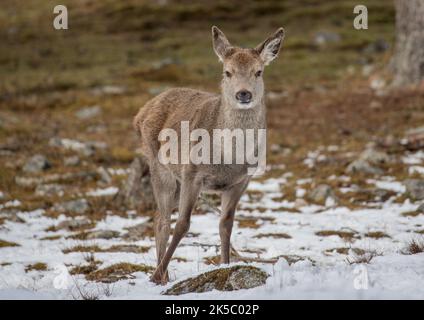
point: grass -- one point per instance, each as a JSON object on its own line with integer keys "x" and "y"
{"x": 114, "y": 248}
{"x": 4, "y": 244}
{"x": 346, "y": 235}
{"x": 377, "y": 235}
{"x": 39, "y": 266}
{"x": 117, "y": 272}
{"x": 415, "y": 246}
{"x": 273, "y": 235}
{"x": 363, "y": 257}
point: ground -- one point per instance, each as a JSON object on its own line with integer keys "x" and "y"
{"x": 317, "y": 228}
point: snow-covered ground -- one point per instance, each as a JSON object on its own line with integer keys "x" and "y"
{"x": 317, "y": 271}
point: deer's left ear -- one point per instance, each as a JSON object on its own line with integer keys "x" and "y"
{"x": 269, "y": 49}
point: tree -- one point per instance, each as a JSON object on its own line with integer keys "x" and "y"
{"x": 408, "y": 59}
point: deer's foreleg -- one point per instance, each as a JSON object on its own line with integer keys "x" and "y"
{"x": 229, "y": 201}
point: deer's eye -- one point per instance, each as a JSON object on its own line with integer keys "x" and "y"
{"x": 258, "y": 73}
{"x": 228, "y": 74}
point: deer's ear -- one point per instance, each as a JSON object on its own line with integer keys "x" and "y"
{"x": 269, "y": 49}
{"x": 220, "y": 43}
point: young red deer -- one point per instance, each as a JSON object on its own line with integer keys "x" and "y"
{"x": 240, "y": 105}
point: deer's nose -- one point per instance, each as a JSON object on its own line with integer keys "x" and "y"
{"x": 244, "y": 96}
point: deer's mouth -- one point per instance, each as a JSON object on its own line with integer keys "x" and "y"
{"x": 244, "y": 105}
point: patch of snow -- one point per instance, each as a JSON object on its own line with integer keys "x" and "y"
{"x": 416, "y": 169}
{"x": 110, "y": 191}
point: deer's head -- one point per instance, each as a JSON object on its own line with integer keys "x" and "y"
{"x": 242, "y": 83}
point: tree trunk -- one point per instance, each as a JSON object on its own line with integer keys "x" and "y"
{"x": 408, "y": 60}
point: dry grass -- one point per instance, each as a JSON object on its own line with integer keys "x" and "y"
{"x": 273, "y": 235}
{"x": 4, "y": 243}
{"x": 345, "y": 235}
{"x": 115, "y": 248}
{"x": 415, "y": 246}
{"x": 118, "y": 272}
{"x": 376, "y": 235}
{"x": 39, "y": 266}
{"x": 364, "y": 256}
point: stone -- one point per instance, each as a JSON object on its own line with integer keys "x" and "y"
{"x": 321, "y": 194}
{"x": 225, "y": 279}
{"x": 420, "y": 209}
{"x": 48, "y": 190}
{"x": 363, "y": 166}
{"x": 79, "y": 206}
{"x": 104, "y": 175}
{"x": 374, "y": 156}
{"x": 415, "y": 188}
{"x": 86, "y": 149}
{"x": 103, "y": 234}
{"x": 414, "y": 139}
{"x": 74, "y": 224}
{"x": 71, "y": 161}
{"x": 109, "y": 90}
{"x": 36, "y": 164}
{"x": 139, "y": 231}
{"x": 378, "y": 46}
{"x": 137, "y": 192}
{"x": 88, "y": 112}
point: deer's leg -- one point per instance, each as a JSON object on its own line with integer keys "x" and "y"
{"x": 229, "y": 201}
{"x": 165, "y": 188}
{"x": 188, "y": 196}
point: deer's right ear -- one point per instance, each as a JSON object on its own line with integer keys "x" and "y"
{"x": 220, "y": 43}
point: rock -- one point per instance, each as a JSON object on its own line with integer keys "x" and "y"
{"x": 104, "y": 175}
{"x": 139, "y": 231}
{"x": 88, "y": 112}
{"x": 79, "y": 206}
{"x": 164, "y": 63}
{"x": 49, "y": 190}
{"x": 74, "y": 224}
{"x": 414, "y": 139}
{"x": 374, "y": 156}
{"x": 323, "y": 37}
{"x": 74, "y": 145}
{"x": 137, "y": 192}
{"x": 103, "y": 234}
{"x": 225, "y": 279}
{"x": 378, "y": 46}
{"x": 415, "y": 188}
{"x": 420, "y": 209}
{"x": 299, "y": 203}
{"x": 109, "y": 90}
{"x": 322, "y": 194}
{"x": 363, "y": 166}
{"x": 71, "y": 161}
{"x": 36, "y": 164}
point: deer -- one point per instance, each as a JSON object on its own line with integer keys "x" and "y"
{"x": 240, "y": 104}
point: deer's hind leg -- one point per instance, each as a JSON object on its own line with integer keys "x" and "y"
{"x": 166, "y": 191}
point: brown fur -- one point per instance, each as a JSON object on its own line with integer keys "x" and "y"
{"x": 179, "y": 185}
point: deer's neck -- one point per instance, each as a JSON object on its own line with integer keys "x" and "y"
{"x": 231, "y": 117}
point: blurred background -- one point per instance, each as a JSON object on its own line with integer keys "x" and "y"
{"x": 68, "y": 97}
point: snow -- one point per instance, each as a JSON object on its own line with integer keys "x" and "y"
{"x": 110, "y": 191}
{"x": 322, "y": 273}
{"x": 416, "y": 169}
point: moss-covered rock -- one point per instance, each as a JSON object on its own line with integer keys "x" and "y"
{"x": 226, "y": 279}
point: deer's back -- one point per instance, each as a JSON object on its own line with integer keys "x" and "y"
{"x": 169, "y": 109}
